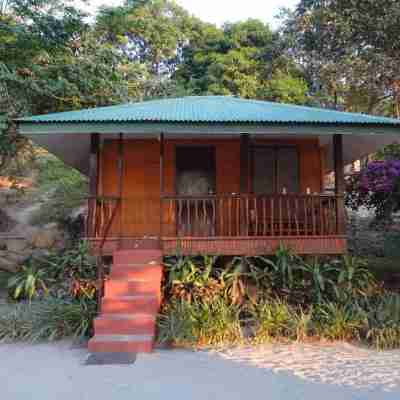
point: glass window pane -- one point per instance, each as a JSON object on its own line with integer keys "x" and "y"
{"x": 264, "y": 170}
{"x": 288, "y": 170}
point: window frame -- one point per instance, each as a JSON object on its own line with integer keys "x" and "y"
{"x": 275, "y": 148}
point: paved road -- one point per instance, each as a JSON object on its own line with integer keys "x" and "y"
{"x": 57, "y": 372}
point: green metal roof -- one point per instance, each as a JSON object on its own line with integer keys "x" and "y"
{"x": 210, "y": 109}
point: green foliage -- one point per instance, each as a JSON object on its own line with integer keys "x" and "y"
{"x": 339, "y": 322}
{"x": 348, "y": 52}
{"x": 243, "y": 59}
{"x": 321, "y": 277}
{"x": 28, "y": 282}
{"x": 198, "y": 323}
{"x": 62, "y": 188}
{"x": 282, "y": 297}
{"x": 273, "y": 320}
{"x": 49, "y": 319}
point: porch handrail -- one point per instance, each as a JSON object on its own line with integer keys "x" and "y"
{"x": 252, "y": 215}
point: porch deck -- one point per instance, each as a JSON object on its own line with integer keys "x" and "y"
{"x": 223, "y": 224}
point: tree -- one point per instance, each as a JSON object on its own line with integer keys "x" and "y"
{"x": 148, "y": 31}
{"x": 350, "y": 52}
{"x": 243, "y": 59}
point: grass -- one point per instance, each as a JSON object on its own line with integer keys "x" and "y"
{"x": 48, "y": 319}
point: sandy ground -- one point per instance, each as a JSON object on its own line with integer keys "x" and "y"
{"x": 55, "y": 371}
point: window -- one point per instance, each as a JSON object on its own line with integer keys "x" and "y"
{"x": 275, "y": 169}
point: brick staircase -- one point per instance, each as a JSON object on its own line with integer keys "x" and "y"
{"x": 132, "y": 296}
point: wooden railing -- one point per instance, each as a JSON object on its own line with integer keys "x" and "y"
{"x": 101, "y": 214}
{"x": 100, "y": 218}
{"x": 252, "y": 215}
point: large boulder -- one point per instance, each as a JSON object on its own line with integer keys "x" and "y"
{"x": 47, "y": 237}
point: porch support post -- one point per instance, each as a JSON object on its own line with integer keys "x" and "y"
{"x": 244, "y": 162}
{"x": 161, "y": 181}
{"x": 120, "y": 162}
{"x": 339, "y": 182}
{"x": 93, "y": 164}
{"x": 93, "y": 182}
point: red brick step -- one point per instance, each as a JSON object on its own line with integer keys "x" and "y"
{"x": 125, "y": 324}
{"x": 121, "y": 343}
{"x": 130, "y": 304}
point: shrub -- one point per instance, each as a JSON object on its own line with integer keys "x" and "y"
{"x": 48, "y": 319}
{"x": 274, "y": 319}
{"x": 383, "y": 313}
{"x": 202, "y": 324}
{"x": 339, "y": 322}
{"x": 28, "y": 282}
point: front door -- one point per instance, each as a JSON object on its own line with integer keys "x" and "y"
{"x": 195, "y": 182}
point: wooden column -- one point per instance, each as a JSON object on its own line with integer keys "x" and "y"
{"x": 161, "y": 181}
{"x": 94, "y": 164}
{"x": 338, "y": 165}
{"x": 244, "y": 162}
{"x": 120, "y": 162}
{"x": 93, "y": 183}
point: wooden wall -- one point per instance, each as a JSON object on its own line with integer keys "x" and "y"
{"x": 140, "y": 215}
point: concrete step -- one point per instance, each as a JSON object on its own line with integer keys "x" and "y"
{"x": 142, "y": 304}
{"x": 137, "y": 272}
{"x": 121, "y": 344}
{"x": 137, "y": 256}
{"x": 125, "y": 324}
{"x": 123, "y": 287}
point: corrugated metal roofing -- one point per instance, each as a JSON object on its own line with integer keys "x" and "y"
{"x": 211, "y": 109}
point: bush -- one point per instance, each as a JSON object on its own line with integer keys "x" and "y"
{"x": 48, "y": 319}
{"x": 209, "y": 302}
{"x": 202, "y": 324}
{"x": 273, "y": 320}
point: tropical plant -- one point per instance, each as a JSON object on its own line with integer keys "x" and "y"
{"x": 283, "y": 264}
{"x": 189, "y": 278}
{"x": 47, "y": 319}
{"x": 354, "y": 278}
{"x": 321, "y": 279}
{"x": 339, "y": 322}
{"x": 198, "y": 323}
{"x": 273, "y": 320}
{"x": 383, "y": 313}
{"x": 29, "y": 281}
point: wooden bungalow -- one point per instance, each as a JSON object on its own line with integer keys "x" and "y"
{"x": 212, "y": 175}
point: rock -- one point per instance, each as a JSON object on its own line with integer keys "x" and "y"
{"x": 17, "y": 245}
{"x": 8, "y": 265}
{"x": 47, "y": 237}
{"x": 43, "y": 239}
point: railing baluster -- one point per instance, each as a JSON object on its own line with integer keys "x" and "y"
{"x": 264, "y": 221}
{"x": 256, "y": 216}
{"x": 280, "y": 217}
{"x": 296, "y": 213}
{"x": 230, "y": 216}
{"x": 305, "y": 201}
{"x": 237, "y": 219}
{"x": 272, "y": 217}
{"x": 221, "y": 215}
{"x": 321, "y": 214}
{"x": 314, "y": 227}
{"x": 289, "y": 230}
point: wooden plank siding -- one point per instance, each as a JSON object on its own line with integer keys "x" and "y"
{"x": 141, "y": 178}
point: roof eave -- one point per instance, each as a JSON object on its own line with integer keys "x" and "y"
{"x": 36, "y": 128}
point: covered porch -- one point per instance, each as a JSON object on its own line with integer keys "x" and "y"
{"x": 212, "y": 175}
{"x": 258, "y": 192}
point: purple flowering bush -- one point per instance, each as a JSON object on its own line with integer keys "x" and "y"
{"x": 376, "y": 187}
